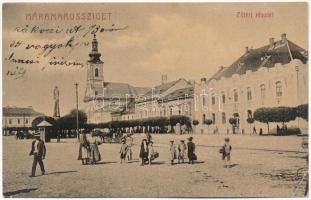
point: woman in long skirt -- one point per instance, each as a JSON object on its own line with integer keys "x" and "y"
{"x": 143, "y": 154}
{"x": 94, "y": 151}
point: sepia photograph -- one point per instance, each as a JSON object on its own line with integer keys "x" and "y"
{"x": 155, "y": 100}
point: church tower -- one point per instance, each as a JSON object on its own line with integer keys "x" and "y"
{"x": 95, "y": 77}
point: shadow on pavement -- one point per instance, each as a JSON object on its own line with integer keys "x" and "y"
{"x": 8, "y": 194}
{"x": 104, "y": 162}
{"x": 63, "y": 172}
{"x": 233, "y": 165}
{"x": 157, "y": 163}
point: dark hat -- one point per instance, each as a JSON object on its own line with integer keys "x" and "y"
{"x": 182, "y": 140}
{"x": 190, "y": 138}
{"x": 172, "y": 141}
{"x": 227, "y": 139}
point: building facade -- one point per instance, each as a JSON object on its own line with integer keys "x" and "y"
{"x": 17, "y": 117}
{"x": 270, "y": 76}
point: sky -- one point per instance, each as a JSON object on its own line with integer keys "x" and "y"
{"x": 186, "y": 40}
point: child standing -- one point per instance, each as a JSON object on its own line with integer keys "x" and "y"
{"x": 123, "y": 151}
{"x": 226, "y": 151}
{"x": 150, "y": 152}
{"x": 172, "y": 152}
{"x": 182, "y": 147}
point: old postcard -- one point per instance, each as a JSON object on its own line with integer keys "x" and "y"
{"x": 155, "y": 99}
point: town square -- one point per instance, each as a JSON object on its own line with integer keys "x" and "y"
{"x": 155, "y": 100}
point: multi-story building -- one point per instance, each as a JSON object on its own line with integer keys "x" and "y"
{"x": 270, "y": 76}
{"x": 16, "y": 117}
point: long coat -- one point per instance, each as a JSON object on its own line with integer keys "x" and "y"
{"x": 143, "y": 154}
{"x": 191, "y": 149}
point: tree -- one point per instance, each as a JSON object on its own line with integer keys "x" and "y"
{"x": 233, "y": 122}
{"x": 250, "y": 121}
{"x": 69, "y": 121}
{"x": 283, "y": 114}
{"x": 208, "y": 122}
{"x": 195, "y": 122}
{"x": 263, "y": 115}
{"x": 302, "y": 111}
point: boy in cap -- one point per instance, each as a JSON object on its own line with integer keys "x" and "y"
{"x": 226, "y": 151}
{"x": 38, "y": 151}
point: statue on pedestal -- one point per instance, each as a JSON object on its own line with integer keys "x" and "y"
{"x": 56, "y": 102}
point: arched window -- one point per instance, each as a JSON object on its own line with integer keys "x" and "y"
{"x": 278, "y": 87}
{"x": 96, "y": 72}
{"x": 249, "y": 94}
{"x": 235, "y": 94}
{"x": 203, "y": 118}
{"x": 262, "y": 91}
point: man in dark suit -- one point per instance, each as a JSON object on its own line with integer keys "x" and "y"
{"x": 38, "y": 151}
{"x": 191, "y": 150}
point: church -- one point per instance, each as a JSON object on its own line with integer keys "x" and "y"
{"x": 111, "y": 101}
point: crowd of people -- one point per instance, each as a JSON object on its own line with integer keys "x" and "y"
{"x": 89, "y": 152}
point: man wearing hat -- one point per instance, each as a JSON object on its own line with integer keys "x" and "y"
{"x": 38, "y": 151}
{"x": 191, "y": 149}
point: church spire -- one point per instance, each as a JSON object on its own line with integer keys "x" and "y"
{"x": 95, "y": 55}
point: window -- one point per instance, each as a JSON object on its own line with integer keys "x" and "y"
{"x": 214, "y": 118}
{"x": 223, "y": 117}
{"x": 26, "y": 121}
{"x": 18, "y": 121}
{"x": 203, "y": 118}
{"x": 262, "y": 91}
{"x": 96, "y": 93}
{"x": 96, "y": 72}
{"x": 213, "y": 99}
{"x": 203, "y": 101}
{"x": 278, "y": 86}
{"x": 235, "y": 94}
{"x": 171, "y": 111}
{"x": 223, "y": 96}
{"x": 10, "y": 121}
{"x": 249, "y": 94}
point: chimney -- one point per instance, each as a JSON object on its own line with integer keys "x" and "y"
{"x": 283, "y": 36}
{"x": 271, "y": 42}
{"x": 246, "y": 50}
{"x": 203, "y": 80}
{"x": 164, "y": 79}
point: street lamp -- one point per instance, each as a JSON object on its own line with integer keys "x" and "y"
{"x": 297, "y": 71}
{"x": 77, "y": 111}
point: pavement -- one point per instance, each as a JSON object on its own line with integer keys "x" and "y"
{"x": 261, "y": 166}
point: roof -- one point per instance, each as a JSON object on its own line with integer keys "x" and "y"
{"x": 161, "y": 88}
{"x": 180, "y": 94}
{"x": 265, "y": 56}
{"x": 43, "y": 124}
{"x": 123, "y": 90}
{"x": 18, "y": 111}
